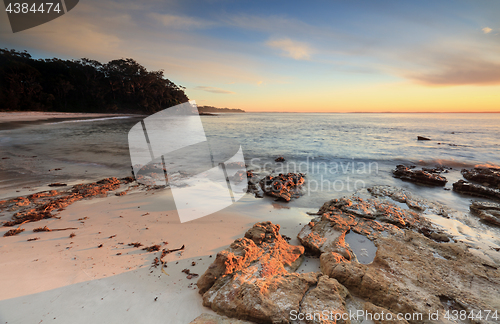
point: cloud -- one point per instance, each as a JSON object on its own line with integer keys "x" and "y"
{"x": 270, "y": 24}
{"x": 486, "y": 30}
{"x": 293, "y": 49}
{"x": 461, "y": 71}
{"x": 181, "y": 22}
{"x": 213, "y": 90}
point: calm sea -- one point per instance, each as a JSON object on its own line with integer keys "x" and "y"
{"x": 339, "y": 152}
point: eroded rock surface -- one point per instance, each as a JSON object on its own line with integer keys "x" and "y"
{"x": 283, "y": 186}
{"x": 488, "y": 212}
{"x": 374, "y": 312}
{"x": 411, "y": 273}
{"x": 251, "y": 280}
{"x": 263, "y": 247}
{"x": 477, "y": 190}
{"x": 488, "y": 177}
{"x": 418, "y": 176}
{"x": 328, "y": 295}
{"x": 43, "y": 205}
{"x": 417, "y": 269}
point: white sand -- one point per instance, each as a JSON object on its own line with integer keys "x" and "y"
{"x": 54, "y": 280}
{"x": 41, "y": 115}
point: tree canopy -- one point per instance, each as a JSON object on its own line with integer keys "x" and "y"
{"x": 84, "y": 85}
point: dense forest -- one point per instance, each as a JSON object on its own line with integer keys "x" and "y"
{"x": 83, "y": 85}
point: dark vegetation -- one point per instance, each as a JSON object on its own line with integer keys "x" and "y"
{"x": 210, "y": 109}
{"x": 83, "y": 85}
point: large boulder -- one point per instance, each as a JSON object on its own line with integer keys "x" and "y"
{"x": 253, "y": 280}
{"x": 263, "y": 246}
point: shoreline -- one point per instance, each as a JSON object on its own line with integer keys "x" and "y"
{"x": 99, "y": 264}
{"x": 97, "y": 276}
{"x": 17, "y": 116}
{"x": 58, "y": 267}
{"x": 13, "y": 120}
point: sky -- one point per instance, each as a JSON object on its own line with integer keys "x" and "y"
{"x": 296, "y": 56}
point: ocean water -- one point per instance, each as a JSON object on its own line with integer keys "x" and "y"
{"x": 339, "y": 153}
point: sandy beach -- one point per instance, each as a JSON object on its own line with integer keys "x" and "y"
{"x": 93, "y": 267}
{"x": 13, "y": 120}
{"x": 73, "y": 280}
{"x": 24, "y": 116}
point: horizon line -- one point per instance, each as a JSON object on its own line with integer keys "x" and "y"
{"x": 380, "y": 112}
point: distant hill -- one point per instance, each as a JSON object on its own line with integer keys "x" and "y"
{"x": 85, "y": 85}
{"x": 210, "y": 109}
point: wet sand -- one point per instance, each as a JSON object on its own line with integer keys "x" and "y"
{"x": 75, "y": 281}
{"x": 13, "y": 120}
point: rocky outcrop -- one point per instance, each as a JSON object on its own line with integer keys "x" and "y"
{"x": 417, "y": 269}
{"x": 418, "y": 176}
{"x": 477, "y": 190}
{"x": 251, "y": 280}
{"x": 43, "y": 205}
{"x": 437, "y": 169}
{"x": 488, "y": 212}
{"x": 262, "y": 246}
{"x": 411, "y": 272}
{"x": 283, "y": 186}
{"x": 488, "y": 177}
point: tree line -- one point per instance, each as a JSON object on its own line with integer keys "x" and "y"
{"x": 84, "y": 85}
{"x": 210, "y": 109}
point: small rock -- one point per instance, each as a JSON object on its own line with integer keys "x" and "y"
{"x": 57, "y": 184}
{"x": 468, "y": 188}
{"x": 418, "y": 176}
{"x": 488, "y": 176}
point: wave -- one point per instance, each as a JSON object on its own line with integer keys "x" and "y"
{"x": 89, "y": 120}
{"x": 449, "y": 163}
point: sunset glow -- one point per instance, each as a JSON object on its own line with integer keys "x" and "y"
{"x": 337, "y": 56}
